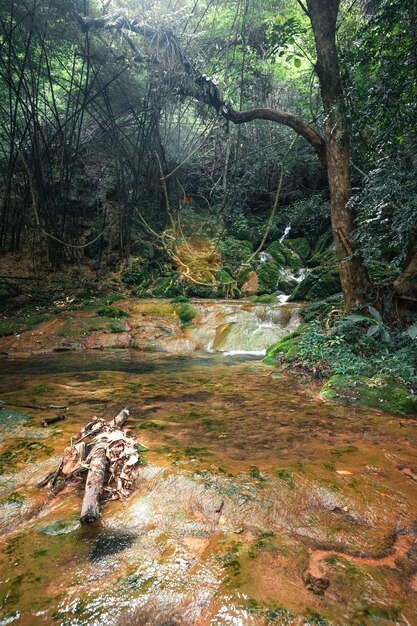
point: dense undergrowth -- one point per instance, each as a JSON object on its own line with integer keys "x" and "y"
{"x": 357, "y": 344}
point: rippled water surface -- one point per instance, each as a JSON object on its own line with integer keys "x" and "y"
{"x": 259, "y": 503}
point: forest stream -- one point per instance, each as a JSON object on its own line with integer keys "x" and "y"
{"x": 257, "y": 503}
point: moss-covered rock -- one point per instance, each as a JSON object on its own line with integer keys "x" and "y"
{"x": 327, "y": 258}
{"x": 235, "y": 251}
{"x": 318, "y": 284}
{"x": 300, "y": 246}
{"x": 109, "y": 311}
{"x": 268, "y": 275}
{"x": 286, "y": 348}
{"x": 324, "y": 241}
{"x": 283, "y": 256}
{"x": 377, "y": 392}
{"x": 198, "y": 291}
{"x": 269, "y": 298}
{"x": 243, "y": 275}
{"x": 185, "y": 312}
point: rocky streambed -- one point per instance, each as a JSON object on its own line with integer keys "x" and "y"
{"x": 159, "y": 326}
{"x": 259, "y": 503}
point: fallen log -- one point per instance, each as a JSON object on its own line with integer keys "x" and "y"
{"x": 94, "y": 486}
{"x": 108, "y": 455}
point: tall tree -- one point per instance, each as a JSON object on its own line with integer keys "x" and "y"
{"x": 333, "y": 152}
{"x": 323, "y": 16}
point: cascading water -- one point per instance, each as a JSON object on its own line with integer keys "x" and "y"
{"x": 286, "y": 233}
{"x": 237, "y": 327}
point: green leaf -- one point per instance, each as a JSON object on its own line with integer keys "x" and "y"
{"x": 375, "y": 314}
{"x": 297, "y": 62}
{"x": 141, "y": 448}
{"x": 358, "y": 318}
{"x": 373, "y": 330}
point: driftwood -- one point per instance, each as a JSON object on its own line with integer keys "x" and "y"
{"x": 108, "y": 455}
{"x": 34, "y": 406}
{"x": 52, "y": 420}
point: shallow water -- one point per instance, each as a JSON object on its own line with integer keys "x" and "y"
{"x": 259, "y": 502}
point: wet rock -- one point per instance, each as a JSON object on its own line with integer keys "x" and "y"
{"x": 102, "y": 341}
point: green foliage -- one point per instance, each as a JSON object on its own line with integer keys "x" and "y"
{"x": 349, "y": 348}
{"x": 310, "y": 216}
{"x": 386, "y": 208}
{"x": 109, "y": 311}
{"x": 234, "y": 251}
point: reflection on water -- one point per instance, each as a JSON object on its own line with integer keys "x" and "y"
{"x": 259, "y": 503}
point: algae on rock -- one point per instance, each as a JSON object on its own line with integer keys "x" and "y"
{"x": 378, "y": 392}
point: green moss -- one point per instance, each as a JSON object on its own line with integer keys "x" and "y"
{"x": 109, "y": 311}
{"x": 16, "y": 499}
{"x": 283, "y": 256}
{"x": 235, "y": 251}
{"x": 268, "y": 275}
{"x": 17, "y": 325}
{"x": 298, "y": 245}
{"x": 22, "y": 452}
{"x": 284, "y": 349}
{"x": 179, "y": 300}
{"x": 318, "y": 284}
{"x": 324, "y": 241}
{"x": 378, "y": 392}
{"x": 327, "y": 258}
{"x": 242, "y": 276}
{"x": 268, "y": 298}
{"x": 198, "y": 291}
{"x": 116, "y": 327}
{"x": 186, "y": 312}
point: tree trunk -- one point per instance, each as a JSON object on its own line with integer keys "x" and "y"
{"x": 353, "y": 275}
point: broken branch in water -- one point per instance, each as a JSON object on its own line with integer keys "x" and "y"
{"x": 52, "y": 420}
{"x": 108, "y": 455}
{"x": 35, "y": 406}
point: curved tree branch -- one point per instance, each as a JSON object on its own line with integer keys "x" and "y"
{"x": 204, "y": 89}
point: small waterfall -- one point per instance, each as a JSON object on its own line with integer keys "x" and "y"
{"x": 264, "y": 257}
{"x": 237, "y": 328}
{"x": 286, "y": 233}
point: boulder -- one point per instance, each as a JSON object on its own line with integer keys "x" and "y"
{"x": 378, "y": 392}
{"x": 300, "y": 246}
